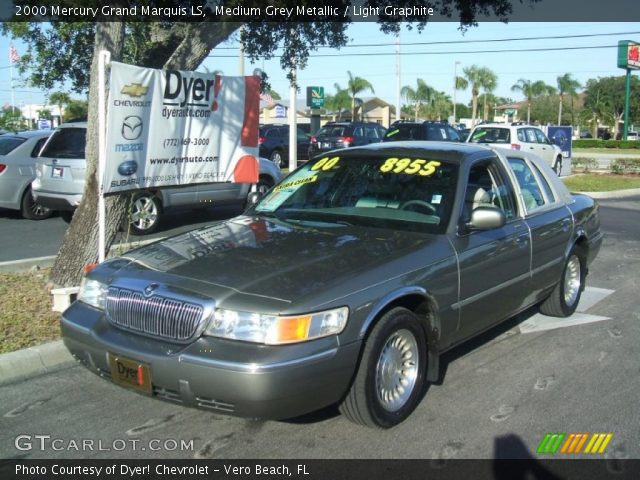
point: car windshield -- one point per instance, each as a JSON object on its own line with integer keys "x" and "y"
{"x": 7, "y": 144}
{"x": 367, "y": 189}
{"x": 66, "y": 143}
{"x": 490, "y": 135}
{"x": 404, "y": 132}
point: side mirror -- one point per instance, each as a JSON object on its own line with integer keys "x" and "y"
{"x": 486, "y": 218}
{"x": 253, "y": 198}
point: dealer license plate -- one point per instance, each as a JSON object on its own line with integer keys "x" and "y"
{"x": 130, "y": 373}
{"x": 57, "y": 172}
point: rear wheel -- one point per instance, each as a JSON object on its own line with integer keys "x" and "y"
{"x": 31, "y": 209}
{"x": 146, "y": 210}
{"x": 276, "y": 157}
{"x": 388, "y": 384}
{"x": 565, "y": 297}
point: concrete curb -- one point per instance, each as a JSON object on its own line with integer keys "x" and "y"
{"x": 630, "y": 192}
{"x": 33, "y": 361}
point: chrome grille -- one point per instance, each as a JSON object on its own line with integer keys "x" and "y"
{"x": 157, "y": 316}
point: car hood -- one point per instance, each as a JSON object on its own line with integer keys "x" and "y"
{"x": 285, "y": 262}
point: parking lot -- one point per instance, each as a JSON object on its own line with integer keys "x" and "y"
{"x": 501, "y": 393}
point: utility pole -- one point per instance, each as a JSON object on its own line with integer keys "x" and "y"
{"x": 398, "y": 76}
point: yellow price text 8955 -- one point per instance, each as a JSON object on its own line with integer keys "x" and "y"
{"x": 416, "y": 166}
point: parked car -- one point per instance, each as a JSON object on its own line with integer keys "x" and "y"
{"x": 519, "y": 137}
{"x": 274, "y": 144}
{"x": 429, "y": 130}
{"x": 60, "y": 178}
{"x": 343, "y": 285}
{"x": 345, "y": 134}
{"x": 18, "y": 154}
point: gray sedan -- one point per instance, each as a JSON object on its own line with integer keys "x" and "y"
{"x": 18, "y": 154}
{"x": 344, "y": 284}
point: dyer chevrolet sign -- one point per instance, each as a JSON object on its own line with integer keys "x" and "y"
{"x": 174, "y": 127}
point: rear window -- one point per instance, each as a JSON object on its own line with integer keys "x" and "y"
{"x": 404, "y": 132}
{"x": 331, "y": 132}
{"x": 66, "y": 143}
{"x": 490, "y": 135}
{"x": 7, "y": 144}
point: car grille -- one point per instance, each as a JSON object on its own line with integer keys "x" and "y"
{"x": 157, "y": 316}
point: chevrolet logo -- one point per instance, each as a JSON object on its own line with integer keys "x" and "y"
{"x": 134, "y": 90}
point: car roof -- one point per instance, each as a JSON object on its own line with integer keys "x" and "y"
{"x": 449, "y": 151}
{"x": 29, "y": 134}
{"x": 73, "y": 125}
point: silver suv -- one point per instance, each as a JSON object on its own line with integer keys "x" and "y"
{"x": 519, "y": 137}
{"x": 60, "y": 177}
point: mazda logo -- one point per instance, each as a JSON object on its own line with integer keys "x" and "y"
{"x": 132, "y": 127}
{"x": 149, "y": 289}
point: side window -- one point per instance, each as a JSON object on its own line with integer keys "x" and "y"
{"x": 453, "y": 135}
{"x": 531, "y": 136}
{"x": 522, "y": 136}
{"x": 381, "y": 132}
{"x": 372, "y": 133}
{"x": 486, "y": 187}
{"x": 37, "y": 147}
{"x": 542, "y": 138}
{"x": 531, "y": 193}
{"x": 357, "y": 132}
{"x": 545, "y": 184}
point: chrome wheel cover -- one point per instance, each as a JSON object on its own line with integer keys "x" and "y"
{"x": 144, "y": 213}
{"x": 397, "y": 370}
{"x": 572, "y": 280}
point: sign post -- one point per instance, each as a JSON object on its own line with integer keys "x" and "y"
{"x": 629, "y": 59}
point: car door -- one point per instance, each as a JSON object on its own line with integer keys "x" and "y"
{"x": 547, "y": 218}
{"x": 493, "y": 264}
{"x": 545, "y": 147}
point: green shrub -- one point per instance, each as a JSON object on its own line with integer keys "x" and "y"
{"x": 621, "y": 166}
{"x": 598, "y": 143}
{"x": 584, "y": 164}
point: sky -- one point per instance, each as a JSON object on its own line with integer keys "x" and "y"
{"x": 583, "y": 57}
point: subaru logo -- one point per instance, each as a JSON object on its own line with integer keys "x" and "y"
{"x": 132, "y": 127}
{"x": 149, "y": 289}
{"x": 128, "y": 168}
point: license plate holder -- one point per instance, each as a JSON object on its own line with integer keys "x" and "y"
{"x": 56, "y": 172}
{"x": 130, "y": 373}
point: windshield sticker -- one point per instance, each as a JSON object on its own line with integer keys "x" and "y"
{"x": 295, "y": 183}
{"x": 392, "y": 133}
{"x": 479, "y": 134}
{"x": 280, "y": 193}
{"x": 436, "y": 199}
{"x": 325, "y": 164}
{"x": 416, "y": 166}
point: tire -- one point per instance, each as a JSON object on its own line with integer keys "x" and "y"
{"x": 264, "y": 184}
{"x": 565, "y": 296}
{"x": 398, "y": 336}
{"x": 32, "y": 210}
{"x": 557, "y": 166}
{"x": 146, "y": 211}
{"x": 276, "y": 157}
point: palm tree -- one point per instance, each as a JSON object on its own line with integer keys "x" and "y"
{"x": 488, "y": 82}
{"x": 530, "y": 90}
{"x": 421, "y": 95}
{"x": 441, "y": 105}
{"x": 477, "y": 77}
{"x": 338, "y": 102}
{"x": 60, "y": 99}
{"x": 355, "y": 86}
{"x": 567, "y": 84}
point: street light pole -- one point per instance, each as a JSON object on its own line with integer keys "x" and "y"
{"x": 455, "y": 85}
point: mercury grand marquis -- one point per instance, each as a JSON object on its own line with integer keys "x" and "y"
{"x": 342, "y": 285}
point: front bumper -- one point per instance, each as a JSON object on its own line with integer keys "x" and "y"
{"x": 237, "y": 378}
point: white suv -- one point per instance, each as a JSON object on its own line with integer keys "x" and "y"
{"x": 60, "y": 178}
{"x": 519, "y": 137}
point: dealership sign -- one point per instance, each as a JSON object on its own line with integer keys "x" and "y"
{"x": 170, "y": 127}
{"x": 628, "y": 55}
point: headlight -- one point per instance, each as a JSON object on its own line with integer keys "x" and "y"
{"x": 274, "y": 329}
{"x": 93, "y": 292}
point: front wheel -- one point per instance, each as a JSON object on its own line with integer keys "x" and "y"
{"x": 32, "y": 210}
{"x": 276, "y": 157}
{"x": 145, "y": 214}
{"x": 388, "y": 384}
{"x": 565, "y": 297}
{"x": 557, "y": 166}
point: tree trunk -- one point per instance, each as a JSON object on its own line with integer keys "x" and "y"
{"x": 474, "y": 107}
{"x": 529, "y": 112}
{"x": 560, "y": 111}
{"x": 484, "y": 108}
{"x": 80, "y": 245}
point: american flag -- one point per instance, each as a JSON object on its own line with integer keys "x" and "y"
{"x": 265, "y": 97}
{"x": 13, "y": 54}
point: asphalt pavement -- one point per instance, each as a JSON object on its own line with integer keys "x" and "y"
{"x": 500, "y": 394}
